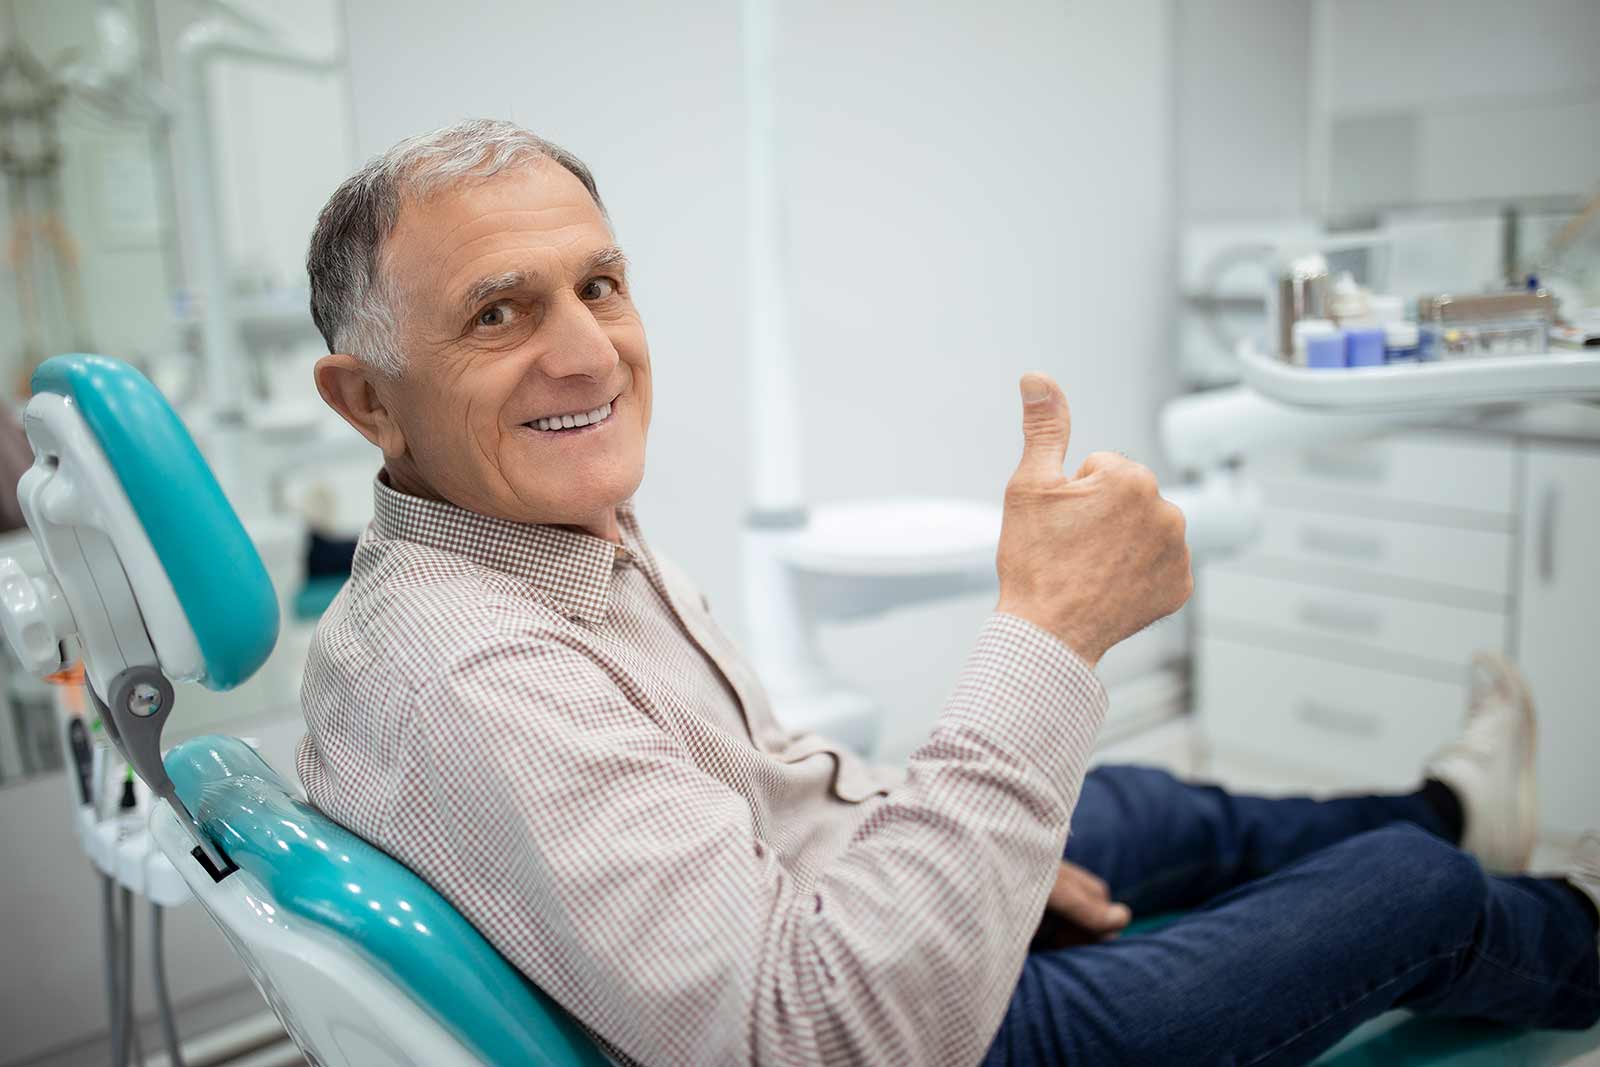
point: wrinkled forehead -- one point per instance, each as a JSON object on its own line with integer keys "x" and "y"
{"x": 537, "y": 216}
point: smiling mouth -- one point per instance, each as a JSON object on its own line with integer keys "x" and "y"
{"x": 578, "y": 420}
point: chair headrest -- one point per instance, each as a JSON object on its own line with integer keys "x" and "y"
{"x": 226, "y": 599}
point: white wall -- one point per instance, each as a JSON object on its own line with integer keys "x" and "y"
{"x": 1287, "y": 106}
{"x": 972, "y": 191}
{"x": 1242, "y": 105}
{"x": 1502, "y": 103}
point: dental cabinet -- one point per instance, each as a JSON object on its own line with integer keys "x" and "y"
{"x": 1335, "y": 648}
{"x": 1559, "y": 593}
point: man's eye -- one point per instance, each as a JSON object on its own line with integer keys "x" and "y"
{"x": 495, "y": 315}
{"x": 597, "y": 289}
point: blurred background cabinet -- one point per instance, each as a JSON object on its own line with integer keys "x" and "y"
{"x": 1557, "y": 641}
{"x": 1334, "y": 651}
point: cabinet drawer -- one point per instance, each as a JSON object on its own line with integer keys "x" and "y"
{"x": 1435, "y": 471}
{"x": 1479, "y": 560}
{"x": 1369, "y": 727}
{"x": 1438, "y": 632}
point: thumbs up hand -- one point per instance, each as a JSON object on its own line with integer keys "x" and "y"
{"x": 1094, "y": 558}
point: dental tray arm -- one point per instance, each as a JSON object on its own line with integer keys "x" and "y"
{"x": 1279, "y": 406}
{"x": 1438, "y": 387}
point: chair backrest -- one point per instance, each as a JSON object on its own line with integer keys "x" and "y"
{"x": 320, "y": 884}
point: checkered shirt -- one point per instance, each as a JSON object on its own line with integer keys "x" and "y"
{"x": 551, "y": 730}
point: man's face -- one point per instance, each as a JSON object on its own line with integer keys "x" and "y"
{"x": 514, "y": 308}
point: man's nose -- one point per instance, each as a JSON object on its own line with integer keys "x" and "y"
{"x": 578, "y": 345}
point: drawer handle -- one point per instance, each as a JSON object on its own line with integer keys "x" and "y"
{"x": 1549, "y": 511}
{"x": 1341, "y": 617}
{"x": 1341, "y": 543}
{"x": 1350, "y": 468}
{"x": 1338, "y": 720}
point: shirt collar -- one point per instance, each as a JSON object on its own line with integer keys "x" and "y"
{"x": 572, "y": 569}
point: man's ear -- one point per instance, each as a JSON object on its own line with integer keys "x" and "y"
{"x": 346, "y": 386}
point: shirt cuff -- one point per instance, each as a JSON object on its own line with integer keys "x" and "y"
{"x": 1025, "y": 690}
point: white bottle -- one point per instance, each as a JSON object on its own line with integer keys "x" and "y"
{"x": 1349, "y": 302}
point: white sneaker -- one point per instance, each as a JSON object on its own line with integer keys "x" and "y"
{"x": 1585, "y": 871}
{"x": 1490, "y": 767}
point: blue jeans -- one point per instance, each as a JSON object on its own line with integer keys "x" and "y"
{"x": 1311, "y": 917}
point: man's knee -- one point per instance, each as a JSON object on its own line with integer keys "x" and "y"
{"x": 1431, "y": 879}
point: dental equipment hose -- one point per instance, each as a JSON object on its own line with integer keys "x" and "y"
{"x": 130, "y": 1027}
{"x": 118, "y": 939}
{"x": 158, "y": 957}
{"x": 117, "y": 942}
{"x": 108, "y": 921}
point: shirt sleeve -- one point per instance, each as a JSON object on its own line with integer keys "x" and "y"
{"x": 635, "y": 889}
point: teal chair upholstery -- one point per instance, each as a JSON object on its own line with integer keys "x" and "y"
{"x": 324, "y": 874}
{"x": 208, "y": 557}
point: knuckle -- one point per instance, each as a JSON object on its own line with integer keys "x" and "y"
{"x": 1135, "y": 479}
{"x": 1103, "y": 463}
{"x": 1020, "y": 490}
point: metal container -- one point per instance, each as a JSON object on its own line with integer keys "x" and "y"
{"x": 1301, "y": 292}
{"x": 1511, "y": 323}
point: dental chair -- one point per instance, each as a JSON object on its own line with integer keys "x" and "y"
{"x": 153, "y": 579}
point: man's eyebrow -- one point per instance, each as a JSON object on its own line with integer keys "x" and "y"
{"x": 483, "y": 289}
{"x": 494, "y": 284}
{"x": 606, "y": 257}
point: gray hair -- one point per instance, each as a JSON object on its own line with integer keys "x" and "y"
{"x": 352, "y": 302}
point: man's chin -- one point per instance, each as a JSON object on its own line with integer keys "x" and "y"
{"x": 579, "y": 501}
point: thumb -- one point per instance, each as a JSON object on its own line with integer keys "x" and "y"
{"x": 1046, "y": 426}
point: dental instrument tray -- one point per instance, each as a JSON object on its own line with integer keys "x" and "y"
{"x": 1555, "y": 375}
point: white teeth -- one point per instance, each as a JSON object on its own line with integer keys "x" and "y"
{"x": 568, "y": 422}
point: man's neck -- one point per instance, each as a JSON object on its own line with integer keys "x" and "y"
{"x": 404, "y": 480}
{"x": 604, "y": 527}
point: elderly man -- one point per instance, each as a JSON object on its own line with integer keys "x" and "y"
{"x": 523, "y": 701}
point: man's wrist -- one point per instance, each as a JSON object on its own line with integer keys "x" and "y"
{"x": 1030, "y": 694}
{"x": 1085, "y": 645}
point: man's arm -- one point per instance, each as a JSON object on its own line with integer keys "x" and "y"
{"x": 637, "y": 889}
{"x": 645, "y": 900}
